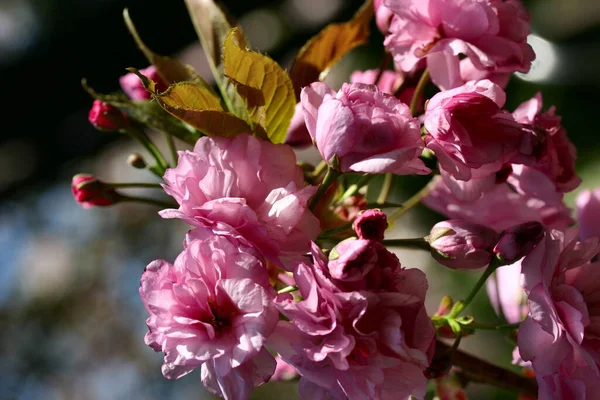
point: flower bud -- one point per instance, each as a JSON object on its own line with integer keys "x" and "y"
{"x": 371, "y": 225}
{"x": 518, "y": 241}
{"x": 136, "y": 161}
{"x": 89, "y": 191}
{"x": 132, "y": 85}
{"x": 106, "y": 117}
{"x": 352, "y": 259}
{"x": 462, "y": 245}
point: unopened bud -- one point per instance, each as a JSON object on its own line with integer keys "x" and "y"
{"x": 371, "y": 225}
{"x": 106, "y": 117}
{"x": 445, "y": 306}
{"x": 518, "y": 241}
{"x": 133, "y": 87}
{"x": 462, "y": 245}
{"x": 136, "y": 161}
{"x": 89, "y": 191}
{"x": 352, "y": 259}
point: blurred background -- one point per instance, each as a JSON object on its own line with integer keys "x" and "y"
{"x": 71, "y": 321}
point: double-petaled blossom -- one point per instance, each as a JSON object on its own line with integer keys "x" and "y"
{"x": 492, "y": 34}
{"x": 559, "y": 337}
{"x": 372, "y": 343}
{"x": 212, "y": 309}
{"x": 588, "y": 213}
{"x": 388, "y": 82}
{"x": 546, "y": 146}
{"x": 530, "y": 197}
{"x": 366, "y": 129}
{"x": 249, "y": 185}
{"x": 471, "y": 136}
{"x": 460, "y": 244}
{"x": 133, "y": 87}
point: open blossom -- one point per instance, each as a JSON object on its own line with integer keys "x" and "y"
{"x": 367, "y": 130}
{"x": 492, "y": 34}
{"x": 460, "y": 244}
{"x": 468, "y": 131}
{"x": 546, "y": 146}
{"x": 503, "y": 206}
{"x": 249, "y": 185}
{"x": 132, "y": 85}
{"x": 297, "y": 134}
{"x": 559, "y": 337}
{"x": 588, "y": 213}
{"x": 213, "y": 308}
{"x": 357, "y": 344}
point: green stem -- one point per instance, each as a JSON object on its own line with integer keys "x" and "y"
{"x": 385, "y": 61}
{"x": 319, "y": 169}
{"x": 144, "y": 140}
{"x": 332, "y": 232}
{"x": 354, "y": 188}
{"x": 145, "y": 200}
{"x": 414, "y": 102}
{"x": 458, "y": 308}
{"x": 420, "y": 243}
{"x": 288, "y": 289}
{"x": 172, "y": 149}
{"x": 134, "y": 185}
{"x": 330, "y": 177}
{"x": 492, "y": 327}
{"x": 412, "y": 201}
{"x": 386, "y": 188}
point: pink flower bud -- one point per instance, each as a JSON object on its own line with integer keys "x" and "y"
{"x": 352, "y": 259}
{"x": 462, "y": 245}
{"x": 89, "y": 191}
{"x": 371, "y": 225}
{"x": 132, "y": 85}
{"x": 106, "y": 117}
{"x": 588, "y": 213}
{"x": 518, "y": 241}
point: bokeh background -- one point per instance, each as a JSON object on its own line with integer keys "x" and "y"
{"x": 71, "y": 322}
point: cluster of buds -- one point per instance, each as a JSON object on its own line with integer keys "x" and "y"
{"x": 286, "y": 271}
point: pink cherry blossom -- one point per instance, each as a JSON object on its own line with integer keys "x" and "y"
{"x": 468, "y": 131}
{"x": 506, "y": 293}
{"x": 249, "y": 185}
{"x": 297, "y": 135}
{"x": 492, "y": 34}
{"x": 383, "y": 16}
{"x": 213, "y": 308}
{"x": 367, "y": 130}
{"x": 503, "y": 206}
{"x": 371, "y": 225}
{"x": 283, "y": 371}
{"x": 388, "y": 82}
{"x": 559, "y": 337}
{"x": 357, "y": 344}
{"x": 588, "y": 213}
{"x": 462, "y": 245}
{"x": 546, "y": 146}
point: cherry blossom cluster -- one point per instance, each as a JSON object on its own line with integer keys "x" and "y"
{"x": 286, "y": 273}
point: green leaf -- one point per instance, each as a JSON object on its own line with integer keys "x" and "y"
{"x": 148, "y": 113}
{"x": 169, "y": 69}
{"x": 266, "y": 88}
{"x": 326, "y": 48}
{"x": 197, "y": 106}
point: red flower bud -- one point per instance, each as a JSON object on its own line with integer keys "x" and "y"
{"x": 371, "y": 225}
{"x": 106, "y": 117}
{"x": 89, "y": 191}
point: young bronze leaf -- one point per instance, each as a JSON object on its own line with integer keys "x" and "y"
{"x": 169, "y": 69}
{"x": 329, "y": 46}
{"x": 265, "y": 87}
{"x": 190, "y": 95}
{"x": 210, "y": 122}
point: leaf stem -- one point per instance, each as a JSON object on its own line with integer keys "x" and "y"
{"x": 386, "y": 188}
{"x": 330, "y": 177}
{"x": 414, "y": 102}
{"x": 458, "y": 308}
{"x": 145, "y": 200}
{"x": 412, "y": 201}
{"x": 420, "y": 243}
{"x": 354, "y": 188}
